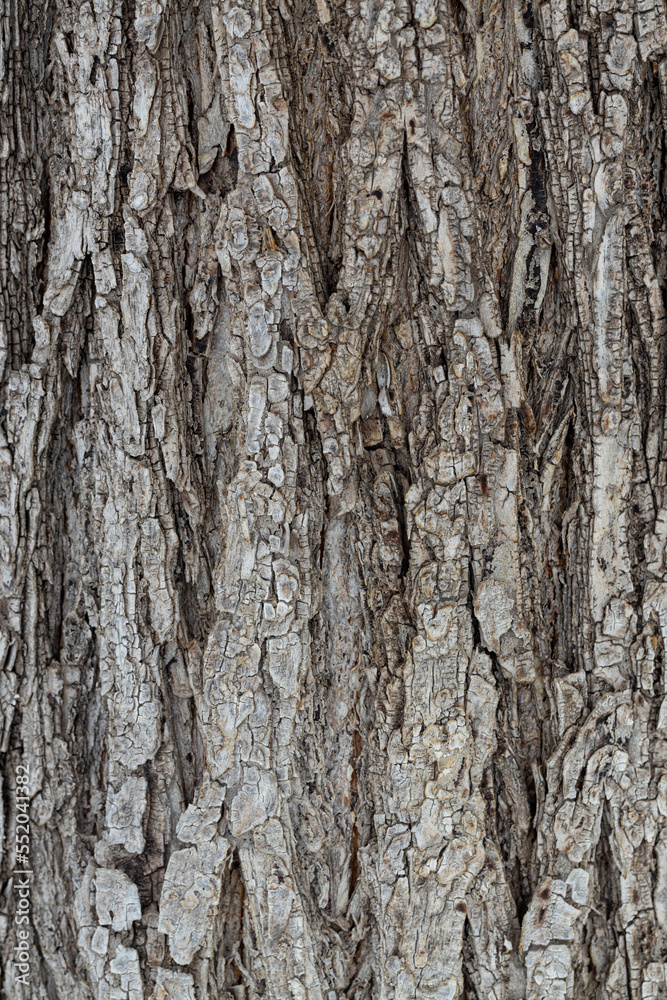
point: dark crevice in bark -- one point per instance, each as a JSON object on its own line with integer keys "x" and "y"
{"x": 411, "y": 228}
{"x": 231, "y": 966}
{"x": 222, "y": 176}
{"x": 319, "y": 119}
{"x": 124, "y": 155}
{"x": 401, "y": 515}
{"x": 40, "y": 272}
{"x": 476, "y": 633}
{"x": 469, "y": 964}
{"x": 461, "y": 17}
{"x": 181, "y": 713}
{"x": 659, "y": 677}
{"x": 354, "y": 805}
{"x": 594, "y": 69}
{"x": 233, "y": 917}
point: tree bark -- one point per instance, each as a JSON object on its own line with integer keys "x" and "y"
{"x": 333, "y": 515}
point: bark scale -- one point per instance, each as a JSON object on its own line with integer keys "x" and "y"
{"x": 333, "y": 489}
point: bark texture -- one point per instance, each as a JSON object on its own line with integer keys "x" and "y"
{"x": 333, "y": 498}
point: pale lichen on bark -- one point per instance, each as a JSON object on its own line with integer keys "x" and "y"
{"x": 333, "y": 521}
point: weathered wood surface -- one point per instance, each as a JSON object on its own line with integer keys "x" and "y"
{"x": 333, "y": 513}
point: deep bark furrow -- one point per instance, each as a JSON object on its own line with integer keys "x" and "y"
{"x": 334, "y": 523}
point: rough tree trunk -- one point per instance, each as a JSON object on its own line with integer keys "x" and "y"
{"x": 333, "y": 478}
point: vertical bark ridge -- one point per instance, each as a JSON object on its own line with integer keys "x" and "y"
{"x": 333, "y": 559}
